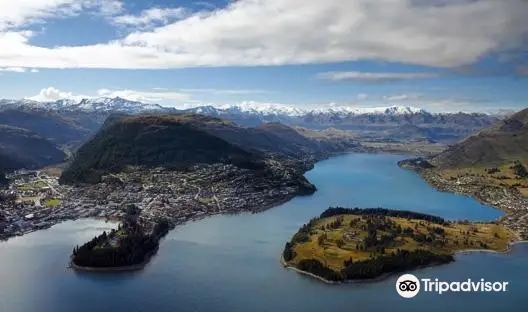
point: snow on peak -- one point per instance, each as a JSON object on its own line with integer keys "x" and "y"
{"x": 251, "y": 107}
{"x": 88, "y": 105}
{"x": 271, "y": 109}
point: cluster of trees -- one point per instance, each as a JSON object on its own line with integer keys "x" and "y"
{"x": 288, "y": 254}
{"x": 519, "y": 169}
{"x": 419, "y": 163}
{"x": 333, "y": 211}
{"x": 399, "y": 261}
{"x": 132, "y": 249}
{"x": 493, "y": 170}
{"x": 317, "y": 268}
{"x": 335, "y": 224}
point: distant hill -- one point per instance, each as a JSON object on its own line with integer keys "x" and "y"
{"x": 20, "y": 148}
{"x": 277, "y": 139}
{"x": 58, "y": 128}
{"x": 503, "y": 142}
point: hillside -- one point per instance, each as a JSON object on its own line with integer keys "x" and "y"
{"x": 503, "y": 142}
{"x": 21, "y": 148}
{"x": 174, "y": 141}
{"x": 278, "y": 139}
{"x": 58, "y": 128}
{"x": 348, "y": 244}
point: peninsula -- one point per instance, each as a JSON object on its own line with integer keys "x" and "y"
{"x": 361, "y": 244}
{"x": 127, "y": 248}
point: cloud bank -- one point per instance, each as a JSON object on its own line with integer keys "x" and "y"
{"x": 274, "y": 32}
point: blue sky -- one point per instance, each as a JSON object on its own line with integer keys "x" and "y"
{"x": 457, "y": 55}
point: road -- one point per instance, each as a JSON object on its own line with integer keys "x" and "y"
{"x": 216, "y": 199}
{"x": 49, "y": 185}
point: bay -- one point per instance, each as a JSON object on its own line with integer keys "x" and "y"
{"x": 231, "y": 263}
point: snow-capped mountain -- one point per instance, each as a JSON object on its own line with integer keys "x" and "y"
{"x": 87, "y": 105}
{"x": 376, "y": 119}
{"x": 377, "y": 122}
{"x": 278, "y": 110}
{"x": 115, "y": 104}
{"x": 248, "y": 109}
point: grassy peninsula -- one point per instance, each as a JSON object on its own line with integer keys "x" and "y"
{"x": 356, "y": 244}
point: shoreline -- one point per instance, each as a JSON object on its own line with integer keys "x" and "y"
{"x": 129, "y": 268}
{"x": 253, "y": 210}
{"x": 141, "y": 266}
{"x": 387, "y": 275}
{"x": 510, "y": 219}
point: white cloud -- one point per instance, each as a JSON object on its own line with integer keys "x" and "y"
{"x": 145, "y": 96}
{"x": 275, "y": 32}
{"x": 373, "y": 77}
{"x": 53, "y": 94}
{"x": 19, "y": 13}
{"x": 13, "y": 69}
{"x": 151, "y": 17}
{"x": 107, "y": 7}
{"x": 403, "y": 97}
{"x": 18, "y": 70}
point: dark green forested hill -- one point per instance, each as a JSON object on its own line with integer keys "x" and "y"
{"x": 20, "y": 148}
{"x": 175, "y": 141}
{"x": 503, "y": 142}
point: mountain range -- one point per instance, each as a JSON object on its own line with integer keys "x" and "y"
{"x": 368, "y": 123}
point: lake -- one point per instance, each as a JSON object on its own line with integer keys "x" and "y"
{"x": 231, "y": 263}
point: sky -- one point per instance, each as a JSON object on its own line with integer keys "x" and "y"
{"x": 440, "y": 55}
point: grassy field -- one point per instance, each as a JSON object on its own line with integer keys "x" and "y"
{"x": 333, "y": 246}
{"x": 505, "y": 177}
{"x": 28, "y": 198}
{"x": 33, "y": 186}
{"x": 52, "y": 202}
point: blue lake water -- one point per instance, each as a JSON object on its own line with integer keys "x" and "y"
{"x": 230, "y": 263}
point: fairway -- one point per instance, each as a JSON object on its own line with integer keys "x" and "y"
{"x": 336, "y": 239}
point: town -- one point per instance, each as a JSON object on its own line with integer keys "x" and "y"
{"x": 34, "y": 199}
{"x": 484, "y": 189}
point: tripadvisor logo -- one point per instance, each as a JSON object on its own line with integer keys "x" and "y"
{"x": 409, "y": 286}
